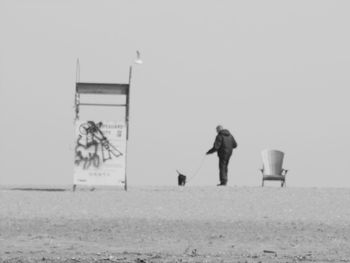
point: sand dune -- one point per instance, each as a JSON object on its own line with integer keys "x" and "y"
{"x": 173, "y": 224}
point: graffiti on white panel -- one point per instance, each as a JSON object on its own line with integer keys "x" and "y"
{"x": 93, "y": 147}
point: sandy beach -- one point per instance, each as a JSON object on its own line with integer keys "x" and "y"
{"x": 174, "y": 224}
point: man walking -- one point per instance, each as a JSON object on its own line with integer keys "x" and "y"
{"x": 223, "y": 145}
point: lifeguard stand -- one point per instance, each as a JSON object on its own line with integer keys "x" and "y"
{"x": 101, "y": 148}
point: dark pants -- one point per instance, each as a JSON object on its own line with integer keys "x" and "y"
{"x": 223, "y": 167}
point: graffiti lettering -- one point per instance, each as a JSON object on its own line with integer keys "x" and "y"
{"x": 92, "y": 144}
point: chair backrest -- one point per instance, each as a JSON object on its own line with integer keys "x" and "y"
{"x": 272, "y": 162}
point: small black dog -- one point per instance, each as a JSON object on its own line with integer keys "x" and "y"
{"x": 181, "y": 179}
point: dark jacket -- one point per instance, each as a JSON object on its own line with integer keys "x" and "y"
{"x": 224, "y": 144}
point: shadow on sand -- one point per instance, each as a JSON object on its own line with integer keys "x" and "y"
{"x": 40, "y": 189}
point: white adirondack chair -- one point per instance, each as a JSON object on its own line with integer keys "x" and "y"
{"x": 272, "y": 167}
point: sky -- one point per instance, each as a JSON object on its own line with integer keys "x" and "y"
{"x": 275, "y": 73}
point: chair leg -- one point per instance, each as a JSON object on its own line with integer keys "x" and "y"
{"x": 262, "y": 185}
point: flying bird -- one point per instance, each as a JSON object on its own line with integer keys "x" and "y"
{"x": 138, "y": 58}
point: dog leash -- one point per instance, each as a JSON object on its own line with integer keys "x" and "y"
{"x": 198, "y": 169}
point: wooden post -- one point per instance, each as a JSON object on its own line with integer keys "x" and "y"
{"x": 76, "y": 99}
{"x": 127, "y": 128}
{"x": 128, "y": 104}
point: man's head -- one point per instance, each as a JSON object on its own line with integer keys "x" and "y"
{"x": 219, "y": 128}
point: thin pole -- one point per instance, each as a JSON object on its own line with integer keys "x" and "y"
{"x": 127, "y": 127}
{"x": 77, "y": 95}
{"x": 128, "y": 103}
{"x": 77, "y": 71}
{"x": 76, "y": 100}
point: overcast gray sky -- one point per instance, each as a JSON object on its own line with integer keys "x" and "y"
{"x": 275, "y": 73}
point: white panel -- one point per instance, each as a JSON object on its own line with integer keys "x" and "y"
{"x": 100, "y": 153}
